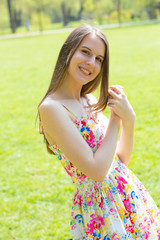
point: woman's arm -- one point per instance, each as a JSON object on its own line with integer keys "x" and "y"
{"x": 126, "y": 143}
{"x": 121, "y": 106}
{"x": 57, "y": 124}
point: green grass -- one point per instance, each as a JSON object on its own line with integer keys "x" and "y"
{"x": 35, "y": 191}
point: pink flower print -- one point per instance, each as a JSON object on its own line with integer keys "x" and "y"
{"x": 145, "y": 219}
{"x": 79, "y": 200}
{"x": 158, "y": 232}
{"x": 127, "y": 204}
{"x": 95, "y": 223}
{"x": 145, "y": 226}
{"x": 71, "y": 164}
{"x": 73, "y": 226}
{"x": 115, "y": 236}
{"x": 121, "y": 183}
{"x": 92, "y": 135}
{"x": 82, "y": 178}
{"x": 95, "y": 186}
{"x": 90, "y": 138}
{"x": 120, "y": 187}
{"x": 83, "y": 122}
{"x": 91, "y": 226}
{"x": 117, "y": 170}
{"x": 100, "y": 219}
{"x": 89, "y": 202}
{"x": 146, "y": 235}
{"x": 111, "y": 196}
{"x": 92, "y": 194}
{"x": 101, "y": 205}
{"x": 130, "y": 229}
{"x": 69, "y": 171}
{"x": 122, "y": 180}
{"x": 111, "y": 210}
{"x": 141, "y": 225}
{"x": 101, "y": 137}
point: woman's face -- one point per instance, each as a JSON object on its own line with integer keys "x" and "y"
{"x": 87, "y": 60}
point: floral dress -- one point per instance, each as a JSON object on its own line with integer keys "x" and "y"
{"x": 117, "y": 208}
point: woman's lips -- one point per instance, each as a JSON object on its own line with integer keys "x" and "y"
{"x": 85, "y": 71}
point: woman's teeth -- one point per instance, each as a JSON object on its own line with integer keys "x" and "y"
{"x": 85, "y": 71}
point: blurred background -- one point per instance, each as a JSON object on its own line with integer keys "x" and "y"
{"x": 35, "y": 191}
{"x": 39, "y": 15}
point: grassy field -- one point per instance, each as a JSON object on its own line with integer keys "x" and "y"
{"x": 35, "y": 191}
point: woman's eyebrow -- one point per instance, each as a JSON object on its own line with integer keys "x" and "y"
{"x": 91, "y": 50}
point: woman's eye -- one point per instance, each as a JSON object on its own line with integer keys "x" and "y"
{"x": 99, "y": 60}
{"x": 85, "y": 51}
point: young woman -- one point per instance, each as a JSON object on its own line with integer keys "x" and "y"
{"x": 110, "y": 202}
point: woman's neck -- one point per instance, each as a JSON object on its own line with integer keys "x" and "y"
{"x": 69, "y": 90}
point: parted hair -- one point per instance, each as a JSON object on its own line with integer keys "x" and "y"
{"x": 67, "y": 51}
{"x": 65, "y": 55}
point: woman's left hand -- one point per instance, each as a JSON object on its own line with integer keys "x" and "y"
{"x": 119, "y": 103}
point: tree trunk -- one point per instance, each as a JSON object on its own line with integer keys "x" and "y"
{"x": 18, "y": 18}
{"x": 119, "y": 10}
{"x": 11, "y": 16}
{"x": 39, "y": 11}
{"x": 151, "y": 10}
{"x": 80, "y": 10}
{"x": 66, "y": 14}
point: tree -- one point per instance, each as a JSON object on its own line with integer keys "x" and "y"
{"x": 149, "y": 6}
{"x": 39, "y": 8}
{"x": 98, "y": 10}
{"x": 151, "y": 9}
{"x": 11, "y": 16}
{"x": 66, "y": 13}
{"x": 71, "y": 10}
{"x": 80, "y": 10}
{"x": 119, "y": 10}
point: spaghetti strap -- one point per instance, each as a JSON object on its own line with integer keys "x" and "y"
{"x": 70, "y": 111}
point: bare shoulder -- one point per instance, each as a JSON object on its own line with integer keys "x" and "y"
{"x": 50, "y": 105}
{"x": 47, "y": 104}
{"x": 53, "y": 113}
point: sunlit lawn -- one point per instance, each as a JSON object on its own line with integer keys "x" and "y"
{"x": 35, "y": 191}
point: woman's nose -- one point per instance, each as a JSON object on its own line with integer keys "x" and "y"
{"x": 91, "y": 61}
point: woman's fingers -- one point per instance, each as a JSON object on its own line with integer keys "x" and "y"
{"x": 113, "y": 94}
{"x": 112, "y": 100}
{"x": 117, "y": 88}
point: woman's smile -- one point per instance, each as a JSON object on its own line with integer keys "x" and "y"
{"x": 85, "y": 71}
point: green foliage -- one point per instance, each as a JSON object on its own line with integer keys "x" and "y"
{"x": 100, "y": 12}
{"x": 44, "y": 18}
{"x": 89, "y": 6}
{"x": 126, "y": 15}
{"x": 36, "y": 192}
{"x": 4, "y": 19}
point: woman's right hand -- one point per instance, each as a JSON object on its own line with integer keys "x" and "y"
{"x": 119, "y": 104}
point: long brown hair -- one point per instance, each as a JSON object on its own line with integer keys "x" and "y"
{"x": 67, "y": 51}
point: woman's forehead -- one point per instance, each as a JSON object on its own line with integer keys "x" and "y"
{"x": 93, "y": 42}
